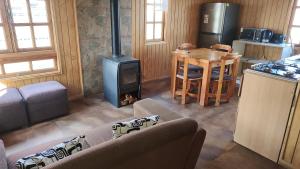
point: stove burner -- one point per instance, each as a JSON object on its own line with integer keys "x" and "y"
{"x": 278, "y": 66}
{"x": 289, "y": 74}
{"x": 294, "y": 65}
{"x": 267, "y": 69}
{"x": 279, "y": 69}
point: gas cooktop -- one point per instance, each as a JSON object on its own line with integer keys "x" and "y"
{"x": 283, "y": 68}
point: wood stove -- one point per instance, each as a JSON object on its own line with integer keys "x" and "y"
{"x": 121, "y": 74}
{"x": 121, "y": 78}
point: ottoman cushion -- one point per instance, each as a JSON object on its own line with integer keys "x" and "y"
{"x": 42, "y": 92}
{"x": 12, "y": 110}
{"x": 45, "y": 100}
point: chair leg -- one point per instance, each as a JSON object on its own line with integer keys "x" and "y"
{"x": 174, "y": 87}
{"x": 220, "y": 86}
{"x": 229, "y": 90}
{"x": 185, "y": 81}
{"x": 199, "y": 90}
{"x": 189, "y": 83}
{"x": 215, "y": 87}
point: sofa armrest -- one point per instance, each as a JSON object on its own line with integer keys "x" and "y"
{"x": 148, "y": 107}
{"x": 196, "y": 148}
{"x": 3, "y": 162}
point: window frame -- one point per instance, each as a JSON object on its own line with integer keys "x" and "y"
{"x": 6, "y": 28}
{"x": 153, "y": 40}
{"x": 14, "y": 54}
{"x": 296, "y": 6}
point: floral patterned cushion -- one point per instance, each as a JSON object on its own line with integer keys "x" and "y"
{"x": 54, "y": 154}
{"x": 126, "y": 127}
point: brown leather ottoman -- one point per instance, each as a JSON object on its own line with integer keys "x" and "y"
{"x": 45, "y": 101}
{"x": 12, "y": 110}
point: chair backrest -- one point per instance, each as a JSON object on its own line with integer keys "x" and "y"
{"x": 222, "y": 47}
{"x": 227, "y": 61}
{"x": 186, "y": 46}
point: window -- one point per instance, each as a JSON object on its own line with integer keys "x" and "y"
{"x": 295, "y": 25}
{"x": 26, "y": 37}
{"x": 154, "y": 20}
{"x": 3, "y": 45}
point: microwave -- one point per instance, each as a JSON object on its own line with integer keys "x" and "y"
{"x": 247, "y": 34}
{"x": 256, "y": 35}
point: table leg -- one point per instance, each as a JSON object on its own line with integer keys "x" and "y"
{"x": 173, "y": 76}
{"x": 205, "y": 85}
{"x": 220, "y": 83}
{"x": 185, "y": 81}
{"x": 234, "y": 78}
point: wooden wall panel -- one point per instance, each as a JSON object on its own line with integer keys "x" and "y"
{"x": 66, "y": 39}
{"x": 271, "y": 14}
{"x": 182, "y": 26}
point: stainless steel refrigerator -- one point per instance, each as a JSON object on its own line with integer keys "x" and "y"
{"x": 218, "y": 24}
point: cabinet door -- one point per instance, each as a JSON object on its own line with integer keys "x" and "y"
{"x": 291, "y": 150}
{"x": 263, "y": 113}
{"x": 296, "y": 160}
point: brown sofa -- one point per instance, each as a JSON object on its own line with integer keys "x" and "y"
{"x": 175, "y": 143}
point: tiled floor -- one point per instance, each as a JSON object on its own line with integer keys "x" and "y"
{"x": 219, "y": 151}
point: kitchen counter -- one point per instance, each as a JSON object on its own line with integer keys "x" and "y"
{"x": 263, "y": 112}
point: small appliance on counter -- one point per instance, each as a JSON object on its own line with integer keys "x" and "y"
{"x": 256, "y": 35}
{"x": 266, "y": 36}
{"x": 247, "y": 34}
{"x": 278, "y": 38}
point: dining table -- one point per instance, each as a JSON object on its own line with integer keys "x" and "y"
{"x": 204, "y": 58}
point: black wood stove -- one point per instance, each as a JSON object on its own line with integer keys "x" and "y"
{"x": 121, "y": 74}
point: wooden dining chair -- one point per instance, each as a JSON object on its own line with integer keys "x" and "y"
{"x": 222, "y": 47}
{"x": 224, "y": 81}
{"x": 187, "y": 47}
{"x": 194, "y": 81}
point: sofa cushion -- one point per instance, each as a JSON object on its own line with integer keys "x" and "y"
{"x": 43, "y": 92}
{"x": 126, "y": 127}
{"x": 56, "y": 153}
{"x": 12, "y": 110}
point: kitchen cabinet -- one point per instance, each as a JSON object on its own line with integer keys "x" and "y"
{"x": 296, "y": 161}
{"x": 264, "y": 109}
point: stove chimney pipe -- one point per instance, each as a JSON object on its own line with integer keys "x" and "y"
{"x": 115, "y": 28}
